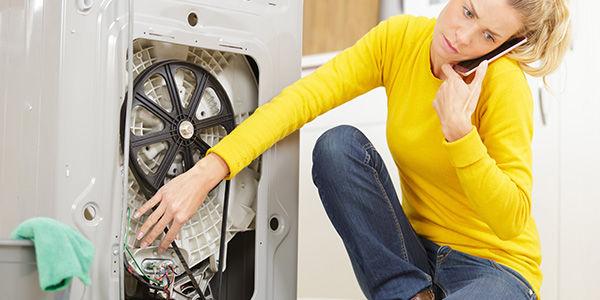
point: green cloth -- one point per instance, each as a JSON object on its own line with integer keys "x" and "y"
{"x": 61, "y": 252}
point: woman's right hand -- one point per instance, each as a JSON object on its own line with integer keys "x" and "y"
{"x": 456, "y": 101}
{"x": 179, "y": 199}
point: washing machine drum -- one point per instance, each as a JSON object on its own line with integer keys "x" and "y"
{"x": 175, "y": 104}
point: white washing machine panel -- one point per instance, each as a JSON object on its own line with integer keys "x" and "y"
{"x": 68, "y": 120}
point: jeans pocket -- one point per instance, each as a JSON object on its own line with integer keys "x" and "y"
{"x": 517, "y": 277}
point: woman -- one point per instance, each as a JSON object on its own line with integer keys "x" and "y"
{"x": 461, "y": 146}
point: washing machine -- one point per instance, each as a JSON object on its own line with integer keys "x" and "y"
{"x": 104, "y": 101}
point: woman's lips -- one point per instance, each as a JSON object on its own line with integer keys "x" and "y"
{"x": 448, "y": 46}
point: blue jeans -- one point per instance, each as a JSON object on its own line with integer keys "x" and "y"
{"x": 390, "y": 260}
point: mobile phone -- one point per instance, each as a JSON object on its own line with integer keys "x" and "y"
{"x": 465, "y": 68}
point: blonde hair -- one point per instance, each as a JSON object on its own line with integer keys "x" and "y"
{"x": 547, "y": 26}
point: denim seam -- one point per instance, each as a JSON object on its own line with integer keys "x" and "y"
{"x": 530, "y": 291}
{"x": 367, "y": 147}
{"x": 440, "y": 259}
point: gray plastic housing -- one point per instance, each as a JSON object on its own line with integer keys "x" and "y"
{"x": 17, "y": 258}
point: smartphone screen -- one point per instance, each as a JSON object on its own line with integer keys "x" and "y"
{"x": 467, "y": 67}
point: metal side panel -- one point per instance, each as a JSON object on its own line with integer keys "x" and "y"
{"x": 29, "y": 49}
{"x": 63, "y": 80}
{"x": 88, "y": 175}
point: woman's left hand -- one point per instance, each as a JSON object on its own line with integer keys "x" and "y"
{"x": 456, "y": 101}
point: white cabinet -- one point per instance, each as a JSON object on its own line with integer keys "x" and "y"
{"x": 579, "y": 234}
{"x": 546, "y": 179}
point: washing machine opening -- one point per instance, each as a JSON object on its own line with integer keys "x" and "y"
{"x": 185, "y": 100}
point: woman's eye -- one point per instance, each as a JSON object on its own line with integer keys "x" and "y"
{"x": 467, "y": 12}
{"x": 489, "y": 37}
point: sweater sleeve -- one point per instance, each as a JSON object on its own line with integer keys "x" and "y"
{"x": 351, "y": 73}
{"x": 493, "y": 162}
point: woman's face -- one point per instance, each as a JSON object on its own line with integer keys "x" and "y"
{"x": 467, "y": 29}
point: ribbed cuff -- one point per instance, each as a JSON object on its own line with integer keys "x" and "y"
{"x": 233, "y": 167}
{"x": 466, "y": 150}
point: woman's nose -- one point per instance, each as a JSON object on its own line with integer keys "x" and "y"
{"x": 464, "y": 35}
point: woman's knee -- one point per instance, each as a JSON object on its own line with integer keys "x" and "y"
{"x": 334, "y": 142}
{"x": 333, "y": 150}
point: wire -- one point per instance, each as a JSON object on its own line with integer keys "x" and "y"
{"x": 176, "y": 248}
{"x": 131, "y": 255}
{"x": 141, "y": 279}
{"x": 172, "y": 272}
{"x": 166, "y": 288}
{"x": 127, "y": 231}
{"x": 161, "y": 277}
{"x": 167, "y": 276}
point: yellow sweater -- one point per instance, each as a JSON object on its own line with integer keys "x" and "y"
{"x": 473, "y": 194}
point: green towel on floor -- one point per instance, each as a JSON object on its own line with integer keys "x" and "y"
{"x": 61, "y": 252}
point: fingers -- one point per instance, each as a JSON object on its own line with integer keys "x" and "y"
{"x": 158, "y": 221}
{"x": 175, "y": 203}
{"x": 148, "y": 205}
{"x": 449, "y": 72}
{"x": 151, "y": 221}
{"x": 170, "y": 236}
{"x": 158, "y": 228}
{"x": 480, "y": 73}
{"x": 475, "y": 85}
